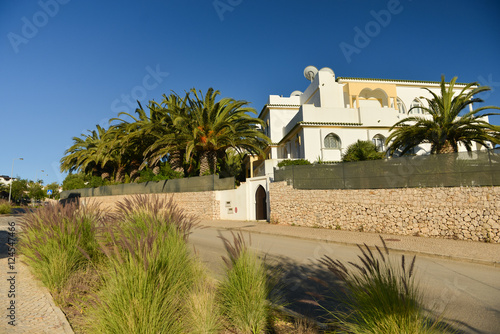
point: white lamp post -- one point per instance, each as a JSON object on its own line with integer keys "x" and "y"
{"x": 36, "y": 175}
{"x": 11, "y": 174}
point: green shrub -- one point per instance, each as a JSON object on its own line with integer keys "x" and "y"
{"x": 80, "y": 181}
{"x": 245, "y": 290}
{"x": 93, "y": 181}
{"x": 5, "y": 207}
{"x": 74, "y": 181}
{"x": 52, "y": 237}
{"x": 381, "y": 298}
{"x": 165, "y": 172}
{"x": 362, "y": 150}
{"x": 289, "y": 162}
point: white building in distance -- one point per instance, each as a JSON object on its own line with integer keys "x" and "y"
{"x": 333, "y": 113}
{"x": 5, "y": 180}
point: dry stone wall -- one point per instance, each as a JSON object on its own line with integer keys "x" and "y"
{"x": 465, "y": 213}
{"x": 202, "y": 205}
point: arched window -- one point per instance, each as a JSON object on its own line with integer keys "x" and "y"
{"x": 417, "y": 107}
{"x": 379, "y": 142}
{"x": 332, "y": 141}
{"x": 401, "y": 107}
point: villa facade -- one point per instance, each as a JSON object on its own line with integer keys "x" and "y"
{"x": 333, "y": 113}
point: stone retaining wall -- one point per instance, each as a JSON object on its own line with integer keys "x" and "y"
{"x": 469, "y": 213}
{"x": 203, "y": 204}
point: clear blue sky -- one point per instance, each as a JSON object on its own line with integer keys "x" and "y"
{"x": 67, "y": 65}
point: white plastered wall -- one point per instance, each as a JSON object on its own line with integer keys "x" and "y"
{"x": 314, "y": 143}
{"x": 239, "y": 204}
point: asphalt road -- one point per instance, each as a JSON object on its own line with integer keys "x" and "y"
{"x": 464, "y": 294}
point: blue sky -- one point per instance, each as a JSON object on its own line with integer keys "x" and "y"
{"x": 67, "y": 65}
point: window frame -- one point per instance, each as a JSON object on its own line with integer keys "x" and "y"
{"x": 400, "y": 104}
{"x": 416, "y": 103}
{"x": 332, "y": 137}
{"x": 381, "y": 138}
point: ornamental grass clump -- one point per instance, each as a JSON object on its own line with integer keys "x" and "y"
{"x": 381, "y": 297}
{"x": 153, "y": 213}
{"x": 52, "y": 237}
{"x": 150, "y": 271}
{"x": 204, "y": 313}
{"x": 5, "y": 207}
{"x": 245, "y": 290}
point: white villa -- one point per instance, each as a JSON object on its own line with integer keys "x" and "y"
{"x": 6, "y": 180}
{"x": 333, "y": 113}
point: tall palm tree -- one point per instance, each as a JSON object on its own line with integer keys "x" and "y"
{"x": 119, "y": 154}
{"x": 447, "y": 128}
{"x": 97, "y": 154}
{"x": 133, "y": 138}
{"x": 211, "y": 127}
{"x": 169, "y": 137}
{"x": 84, "y": 155}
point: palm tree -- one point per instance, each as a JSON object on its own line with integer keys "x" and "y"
{"x": 211, "y": 127}
{"x": 166, "y": 128}
{"x": 231, "y": 164}
{"x": 84, "y": 155}
{"x": 133, "y": 138}
{"x": 189, "y": 131}
{"x": 119, "y": 154}
{"x": 99, "y": 153}
{"x": 446, "y": 129}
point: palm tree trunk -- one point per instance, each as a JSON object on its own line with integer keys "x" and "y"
{"x": 119, "y": 174}
{"x": 204, "y": 163}
{"x": 212, "y": 161}
{"x": 448, "y": 162}
{"x": 208, "y": 162}
{"x": 446, "y": 148}
{"x": 134, "y": 169}
{"x": 176, "y": 161}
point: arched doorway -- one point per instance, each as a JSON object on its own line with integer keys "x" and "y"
{"x": 260, "y": 204}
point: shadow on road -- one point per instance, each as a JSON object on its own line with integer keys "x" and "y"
{"x": 4, "y": 238}
{"x": 311, "y": 290}
{"x": 21, "y": 211}
{"x": 4, "y": 233}
{"x": 457, "y": 326}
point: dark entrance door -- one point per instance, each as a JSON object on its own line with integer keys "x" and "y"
{"x": 260, "y": 204}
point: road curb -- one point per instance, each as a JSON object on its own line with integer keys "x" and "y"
{"x": 59, "y": 313}
{"x": 389, "y": 246}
